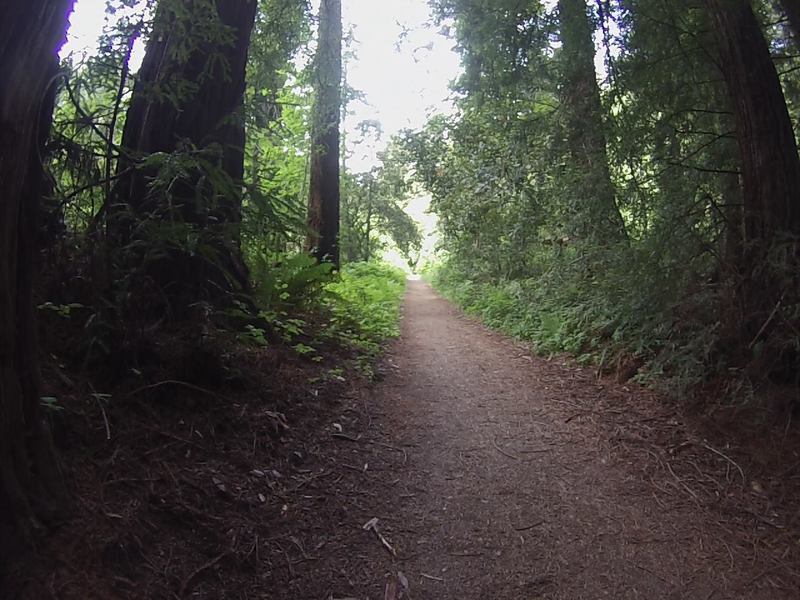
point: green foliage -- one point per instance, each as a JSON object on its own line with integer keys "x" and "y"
{"x": 364, "y": 304}
{"x": 373, "y": 211}
{"x": 276, "y": 161}
{"x": 88, "y": 121}
{"x": 521, "y": 246}
{"x": 296, "y": 302}
{"x": 358, "y": 306}
{"x": 255, "y": 336}
{"x": 291, "y": 283}
{"x": 62, "y": 310}
{"x": 278, "y": 105}
{"x": 627, "y": 314}
{"x": 51, "y": 403}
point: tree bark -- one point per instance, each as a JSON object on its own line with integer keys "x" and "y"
{"x": 324, "y": 193}
{"x": 188, "y": 99}
{"x": 580, "y": 97}
{"x": 770, "y": 163}
{"x": 31, "y": 487}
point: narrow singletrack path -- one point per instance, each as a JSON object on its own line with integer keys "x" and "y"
{"x": 496, "y": 475}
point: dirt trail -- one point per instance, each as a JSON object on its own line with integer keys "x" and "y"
{"x": 495, "y": 475}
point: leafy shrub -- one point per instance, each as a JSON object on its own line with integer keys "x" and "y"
{"x": 358, "y": 306}
{"x": 364, "y": 304}
{"x": 291, "y": 282}
{"x": 639, "y": 309}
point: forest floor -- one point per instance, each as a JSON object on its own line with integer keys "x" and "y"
{"x": 471, "y": 471}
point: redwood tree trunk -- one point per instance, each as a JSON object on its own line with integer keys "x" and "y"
{"x": 770, "y": 164}
{"x": 31, "y": 488}
{"x": 324, "y": 193}
{"x": 188, "y": 99}
{"x": 580, "y": 97}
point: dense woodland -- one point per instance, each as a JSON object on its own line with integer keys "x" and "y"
{"x": 620, "y": 181}
{"x": 184, "y": 199}
{"x": 640, "y": 212}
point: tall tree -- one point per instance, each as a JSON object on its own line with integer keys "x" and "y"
{"x": 186, "y": 112}
{"x": 30, "y": 484}
{"x": 586, "y": 140}
{"x": 324, "y": 193}
{"x": 769, "y": 158}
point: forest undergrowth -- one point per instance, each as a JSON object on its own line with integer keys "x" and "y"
{"x": 170, "y": 462}
{"x": 605, "y": 197}
{"x": 633, "y": 324}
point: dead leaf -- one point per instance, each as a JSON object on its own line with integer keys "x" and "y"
{"x": 401, "y": 577}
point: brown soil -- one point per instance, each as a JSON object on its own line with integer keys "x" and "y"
{"x": 471, "y": 471}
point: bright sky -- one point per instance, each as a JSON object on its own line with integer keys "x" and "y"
{"x": 402, "y": 86}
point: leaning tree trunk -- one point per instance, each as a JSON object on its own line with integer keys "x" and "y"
{"x": 324, "y": 193}
{"x": 770, "y": 166}
{"x": 586, "y": 141}
{"x": 187, "y": 106}
{"x": 31, "y": 488}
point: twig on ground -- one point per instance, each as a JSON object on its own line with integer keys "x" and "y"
{"x": 729, "y": 459}
{"x": 654, "y": 574}
{"x": 390, "y": 447}
{"x": 535, "y": 450}
{"x": 503, "y": 452}
{"x": 679, "y": 480}
{"x": 372, "y": 525}
{"x": 199, "y": 570}
{"x": 185, "y": 384}
{"x": 771, "y": 569}
{"x": 288, "y": 562}
{"x": 105, "y": 416}
{"x": 767, "y": 322}
{"x": 527, "y": 527}
{"x": 352, "y": 468}
{"x": 173, "y": 437}
{"x": 349, "y": 438}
